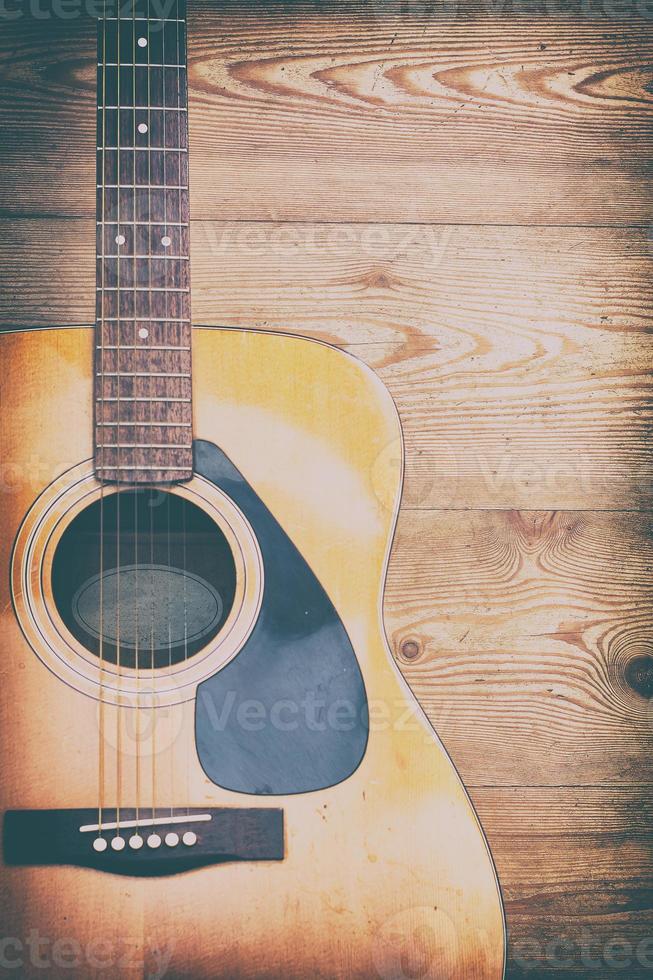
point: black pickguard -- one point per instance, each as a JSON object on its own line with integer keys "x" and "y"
{"x": 289, "y": 713}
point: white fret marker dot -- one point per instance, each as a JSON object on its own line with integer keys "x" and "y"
{"x": 143, "y": 333}
{"x": 142, "y": 127}
{"x": 120, "y": 239}
{"x": 166, "y": 241}
{"x": 142, "y": 42}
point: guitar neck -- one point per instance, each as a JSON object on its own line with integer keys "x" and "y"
{"x": 143, "y": 411}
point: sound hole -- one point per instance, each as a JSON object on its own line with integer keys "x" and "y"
{"x": 143, "y": 577}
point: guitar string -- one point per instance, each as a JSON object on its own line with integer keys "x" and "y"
{"x": 119, "y": 719}
{"x": 166, "y": 313}
{"x": 181, "y": 101}
{"x": 137, "y": 720}
{"x": 171, "y": 711}
{"x": 186, "y": 740}
{"x": 153, "y": 717}
{"x": 101, "y": 405}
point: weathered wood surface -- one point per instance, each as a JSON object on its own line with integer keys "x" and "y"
{"x": 370, "y": 173}
{"x": 526, "y": 636}
{"x": 518, "y": 357}
{"x": 577, "y": 889}
{"x": 373, "y": 110}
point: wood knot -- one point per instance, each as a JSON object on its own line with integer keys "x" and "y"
{"x": 639, "y": 674}
{"x": 410, "y": 649}
{"x": 379, "y": 279}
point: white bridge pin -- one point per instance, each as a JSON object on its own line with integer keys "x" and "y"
{"x": 172, "y": 839}
{"x": 99, "y": 844}
{"x": 189, "y": 838}
{"x": 154, "y": 841}
{"x": 136, "y": 842}
{"x": 117, "y": 843}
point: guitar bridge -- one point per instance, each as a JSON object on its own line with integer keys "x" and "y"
{"x": 144, "y": 841}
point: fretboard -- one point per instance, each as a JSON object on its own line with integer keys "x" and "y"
{"x": 143, "y": 411}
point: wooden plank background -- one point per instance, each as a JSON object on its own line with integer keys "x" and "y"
{"x": 458, "y": 193}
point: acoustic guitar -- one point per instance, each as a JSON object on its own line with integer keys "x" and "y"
{"x": 212, "y": 766}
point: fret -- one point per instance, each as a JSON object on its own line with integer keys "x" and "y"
{"x": 157, "y": 187}
{"x": 138, "y": 445}
{"x": 122, "y": 64}
{"x": 138, "y": 347}
{"x": 145, "y": 20}
{"x": 138, "y": 319}
{"x": 150, "y": 154}
{"x": 131, "y": 117}
{"x": 159, "y": 425}
{"x": 132, "y": 398}
{"x": 130, "y": 108}
{"x": 149, "y": 258}
{"x": 141, "y": 374}
{"x": 161, "y": 224}
{"x": 142, "y": 289}
{"x": 162, "y": 358}
{"x": 144, "y": 149}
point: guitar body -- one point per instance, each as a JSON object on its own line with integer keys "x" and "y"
{"x": 385, "y": 871}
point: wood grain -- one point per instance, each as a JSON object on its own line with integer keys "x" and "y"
{"x": 518, "y": 358}
{"x": 574, "y": 862}
{"x": 369, "y": 111}
{"x": 527, "y": 639}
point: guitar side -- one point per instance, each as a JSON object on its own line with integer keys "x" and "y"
{"x": 386, "y": 873}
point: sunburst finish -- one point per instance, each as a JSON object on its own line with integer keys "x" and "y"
{"x": 359, "y": 893}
